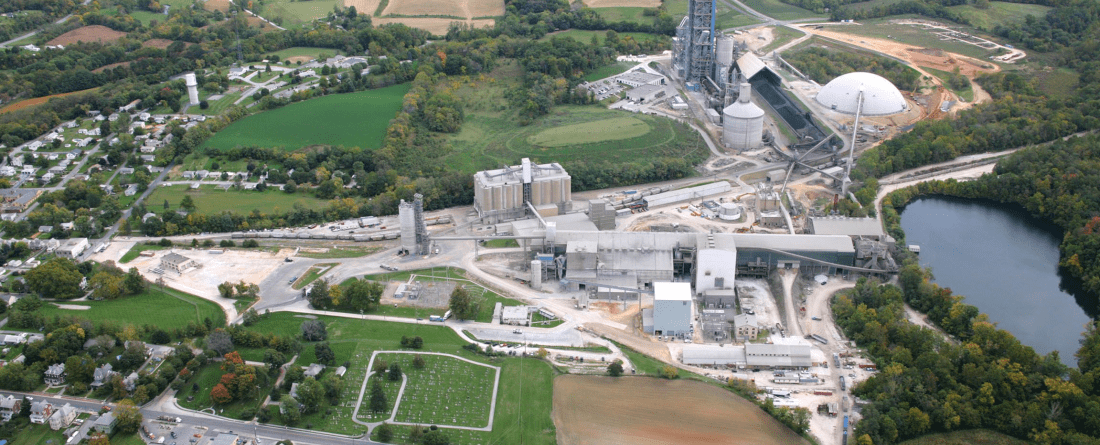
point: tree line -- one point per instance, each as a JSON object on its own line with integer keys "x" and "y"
{"x": 823, "y": 65}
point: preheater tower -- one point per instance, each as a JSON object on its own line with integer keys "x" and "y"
{"x": 503, "y": 194}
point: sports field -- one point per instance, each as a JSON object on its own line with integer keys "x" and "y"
{"x": 210, "y": 200}
{"x": 168, "y": 309}
{"x": 352, "y": 120}
{"x": 599, "y": 410}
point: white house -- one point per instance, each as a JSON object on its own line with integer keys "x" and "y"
{"x": 7, "y": 170}
{"x": 63, "y": 417}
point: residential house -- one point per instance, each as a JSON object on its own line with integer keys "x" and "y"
{"x": 12, "y": 340}
{"x": 48, "y": 177}
{"x": 75, "y": 153}
{"x": 55, "y": 374}
{"x": 130, "y": 382}
{"x": 105, "y": 423}
{"x": 40, "y": 411}
{"x": 126, "y": 171}
{"x": 28, "y": 171}
{"x": 83, "y": 142}
{"x": 63, "y": 417}
{"x": 10, "y": 407}
{"x": 67, "y": 226}
{"x": 102, "y": 375}
{"x": 148, "y": 158}
{"x": 57, "y": 170}
{"x": 131, "y": 190}
{"x": 113, "y": 117}
{"x": 7, "y": 170}
{"x": 17, "y": 161}
{"x": 314, "y": 370}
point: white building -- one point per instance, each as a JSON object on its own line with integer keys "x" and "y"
{"x": 716, "y": 268}
{"x": 72, "y": 247}
{"x": 63, "y": 417}
{"x": 514, "y": 315}
{"x": 672, "y": 309}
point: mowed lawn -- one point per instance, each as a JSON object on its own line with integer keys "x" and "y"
{"x": 351, "y": 120}
{"x": 624, "y": 14}
{"x": 297, "y": 13}
{"x": 589, "y": 132}
{"x": 168, "y": 309}
{"x": 210, "y": 200}
{"x": 304, "y": 51}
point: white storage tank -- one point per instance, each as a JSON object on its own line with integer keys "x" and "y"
{"x": 729, "y": 211}
{"x": 743, "y": 122}
{"x": 725, "y": 50}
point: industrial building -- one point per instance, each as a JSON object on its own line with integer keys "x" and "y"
{"x": 640, "y": 78}
{"x": 693, "y": 46}
{"x": 716, "y": 265}
{"x": 672, "y": 309}
{"x": 753, "y": 355}
{"x": 414, "y": 232}
{"x": 511, "y": 192}
{"x": 745, "y": 326}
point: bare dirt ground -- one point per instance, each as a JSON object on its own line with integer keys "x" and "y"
{"x": 111, "y": 66}
{"x": 928, "y": 57}
{"x": 363, "y": 6}
{"x": 433, "y": 25}
{"x": 424, "y": 7}
{"x": 157, "y": 43}
{"x": 233, "y": 265}
{"x": 645, "y": 345}
{"x": 650, "y": 411}
{"x": 756, "y": 38}
{"x": 614, "y": 3}
{"x": 93, "y": 33}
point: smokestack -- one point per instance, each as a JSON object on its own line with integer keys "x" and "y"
{"x": 746, "y": 92}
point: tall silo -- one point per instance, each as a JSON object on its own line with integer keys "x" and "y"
{"x": 743, "y": 122}
{"x": 723, "y": 59}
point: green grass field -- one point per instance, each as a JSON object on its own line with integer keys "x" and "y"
{"x": 168, "y": 309}
{"x": 463, "y": 388}
{"x": 341, "y": 252}
{"x": 609, "y": 70}
{"x": 211, "y": 200}
{"x": 585, "y": 36}
{"x": 38, "y": 435}
{"x": 611, "y": 129}
{"x": 1000, "y": 13}
{"x": 313, "y": 274}
{"x": 727, "y": 17}
{"x": 624, "y": 14}
{"x": 523, "y": 408}
{"x": 206, "y": 378}
{"x": 500, "y": 243}
{"x": 677, "y": 8}
{"x": 308, "y": 51}
{"x": 487, "y": 299}
{"x": 523, "y": 403}
{"x": 1058, "y": 82}
{"x": 295, "y": 14}
{"x": 966, "y": 94}
{"x": 781, "y": 11}
{"x": 352, "y": 120}
{"x": 135, "y": 252}
{"x": 969, "y": 437}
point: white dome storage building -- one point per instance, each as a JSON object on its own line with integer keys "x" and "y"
{"x": 743, "y": 123}
{"x": 880, "y": 97}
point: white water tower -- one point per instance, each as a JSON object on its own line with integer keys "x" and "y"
{"x": 192, "y": 88}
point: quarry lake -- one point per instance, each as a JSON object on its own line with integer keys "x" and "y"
{"x": 1004, "y": 262}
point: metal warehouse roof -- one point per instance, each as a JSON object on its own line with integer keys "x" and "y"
{"x": 713, "y": 355}
{"x": 833, "y": 225}
{"x": 688, "y": 193}
{"x": 794, "y": 243}
{"x": 777, "y": 355}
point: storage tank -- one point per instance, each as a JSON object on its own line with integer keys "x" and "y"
{"x": 729, "y": 211}
{"x": 743, "y": 122}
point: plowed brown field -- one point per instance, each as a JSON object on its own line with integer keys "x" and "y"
{"x": 648, "y": 411}
{"x": 93, "y": 33}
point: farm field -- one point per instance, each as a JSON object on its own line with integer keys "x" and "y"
{"x": 168, "y": 309}
{"x": 92, "y": 33}
{"x": 436, "y": 26}
{"x": 610, "y": 129}
{"x": 448, "y": 391}
{"x": 452, "y": 8}
{"x": 781, "y": 11}
{"x": 676, "y": 7}
{"x": 628, "y": 3}
{"x": 1000, "y": 13}
{"x": 596, "y": 410}
{"x": 211, "y": 200}
{"x": 352, "y": 120}
{"x": 27, "y": 103}
{"x": 969, "y": 437}
{"x": 295, "y": 14}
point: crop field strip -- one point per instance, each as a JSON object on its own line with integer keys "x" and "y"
{"x": 351, "y": 120}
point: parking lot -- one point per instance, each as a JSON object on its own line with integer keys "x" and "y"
{"x": 173, "y": 433}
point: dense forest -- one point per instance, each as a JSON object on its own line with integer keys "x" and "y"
{"x": 980, "y": 378}
{"x": 823, "y": 65}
